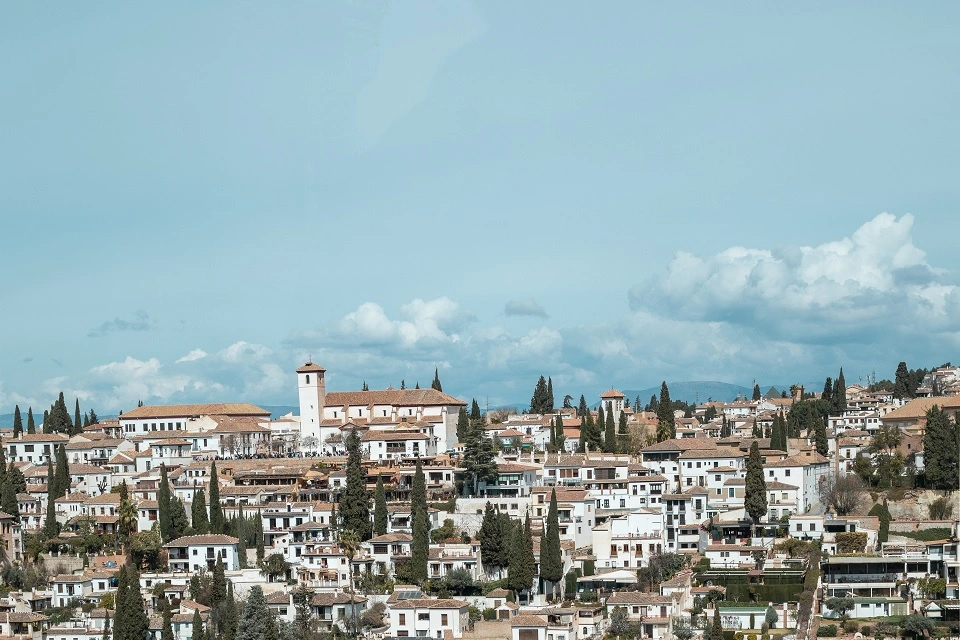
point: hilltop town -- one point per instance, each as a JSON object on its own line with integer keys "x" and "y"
{"x": 410, "y": 513}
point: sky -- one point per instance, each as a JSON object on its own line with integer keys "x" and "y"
{"x": 198, "y": 197}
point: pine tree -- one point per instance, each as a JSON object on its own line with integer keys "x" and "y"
{"x": 755, "y": 491}
{"x": 61, "y": 478}
{"x": 902, "y": 386}
{"x": 420, "y": 524}
{"x": 609, "y": 435}
{"x": 840, "y": 394}
{"x": 17, "y": 422}
{"x": 551, "y": 556}
{"x": 93, "y": 417}
{"x": 941, "y": 446}
{"x": 197, "y": 631}
{"x": 436, "y": 381}
{"x": 255, "y": 620}
{"x": 163, "y": 505}
{"x": 666, "y": 426}
{"x": 540, "y": 399}
{"x": 76, "y": 417}
{"x": 355, "y": 499}
{"x": 31, "y": 426}
{"x": 217, "y": 521}
{"x": 380, "y": 508}
{"x": 198, "y": 512}
{"x": 403, "y": 385}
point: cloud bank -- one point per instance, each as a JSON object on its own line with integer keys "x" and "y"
{"x": 777, "y": 315}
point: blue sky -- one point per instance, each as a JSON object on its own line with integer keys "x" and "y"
{"x": 196, "y": 197}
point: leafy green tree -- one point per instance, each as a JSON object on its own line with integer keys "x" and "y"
{"x": 256, "y": 618}
{"x": 666, "y": 425}
{"x": 917, "y": 626}
{"x": 420, "y": 525}
{"x": 163, "y": 505}
{"x": 941, "y": 447}
{"x": 755, "y": 496}
{"x": 17, "y": 422}
{"x": 31, "y": 425}
{"x": 436, "y": 380}
{"x": 380, "y": 508}
{"x": 582, "y": 409}
{"x": 354, "y": 503}
{"x": 217, "y": 521}
{"x": 551, "y": 555}
{"x": 198, "y": 512}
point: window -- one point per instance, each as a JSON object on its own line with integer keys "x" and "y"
{"x": 403, "y": 618}
{"x": 443, "y": 618}
{"x": 730, "y": 492}
{"x": 787, "y": 473}
{"x": 423, "y": 615}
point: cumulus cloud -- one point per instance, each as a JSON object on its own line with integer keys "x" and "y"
{"x": 525, "y": 307}
{"x": 140, "y": 322}
{"x": 837, "y": 291}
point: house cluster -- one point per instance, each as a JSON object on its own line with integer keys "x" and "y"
{"x": 619, "y": 514}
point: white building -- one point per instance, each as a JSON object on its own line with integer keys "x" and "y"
{"x": 428, "y": 617}
{"x": 193, "y": 553}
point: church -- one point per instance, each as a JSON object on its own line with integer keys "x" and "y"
{"x": 327, "y": 416}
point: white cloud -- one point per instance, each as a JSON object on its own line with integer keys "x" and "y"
{"x": 524, "y": 307}
{"x": 193, "y": 356}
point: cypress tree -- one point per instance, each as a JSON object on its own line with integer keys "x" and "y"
{"x": 941, "y": 444}
{"x": 198, "y": 512}
{"x": 827, "y": 394}
{"x": 420, "y": 523}
{"x": 840, "y": 394}
{"x": 539, "y": 401}
{"x": 380, "y": 509}
{"x": 355, "y": 499}
{"x": 463, "y": 424}
{"x": 666, "y": 426}
{"x": 217, "y": 522}
{"x": 551, "y": 555}
{"x": 31, "y": 426}
{"x": 259, "y": 534}
{"x": 50, "y": 529}
{"x": 197, "y": 632}
{"x": 755, "y": 495}
{"x": 163, "y": 505}
{"x": 756, "y": 392}
{"x": 178, "y": 518}
{"x": 62, "y": 476}
{"x": 47, "y": 426}
{"x": 491, "y": 539}
{"x": 475, "y": 411}
{"x": 436, "y": 381}
{"x": 17, "y": 422}
{"x": 549, "y": 398}
{"x": 609, "y": 435}
{"x": 166, "y": 629}
{"x": 522, "y": 560}
{"x": 15, "y": 478}
{"x": 901, "y": 386}
{"x": 8, "y": 501}
{"x": 136, "y": 622}
{"x": 820, "y": 435}
{"x": 716, "y": 632}
{"x": 3, "y": 465}
{"x": 106, "y": 627}
{"x": 582, "y": 410}
{"x": 119, "y": 599}
{"x": 231, "y": 615}
{"x": 76, "y": 417}
{"x": 601, "y": 428}
{"x": 218, "y": 587}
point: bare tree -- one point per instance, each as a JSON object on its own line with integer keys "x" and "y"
{"x": 842, "y": 493}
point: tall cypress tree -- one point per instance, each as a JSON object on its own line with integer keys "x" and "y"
{"x": 50, "y": 528}
{"x": 550, "y": 400}
{"x": 380, "y": 508}
{"x": 582, "y": 410}
{"x": 522, "y": 560}
{"x": 218, "y": 586}
{"x": 198, "y": 512}
{"x": 840, "y": 394}
{"x": 217, "y": 521}
{"x": 8, "y": 501}
{"x": 941, "y": 446}
{"x": 755, "y": 491}
{"x": 820, "y": 435}
{"x": 3, "y": 466}
{"x": 197, "y": 632}
{"x": 259, "y": 534}
{"x": 601, "y": 427}
{"x": 166, "y": 627}
{"x": 163, "y": 505}
{"x": 178, "y": 518}
{"x": 901, "y": 386}
{"x": 492, "y": 540}
{"x": 609, "y": 435}
{"x": 355, "y": 499}
{"x": 76, "y": 417}
{"x": 61, "y": 477}
{"x": 420, "y": 523}
{"x": 756, "y": 392}
{"x": 31, "y": 425}
{"x": 666, "y": 425}
{"x": 17, "y": 422}
{"x": 436, "y": 381}
{"x": 119, "y": 599}
{"x": 716, "y": 631}
{"x": 463, "y": 424}
{"x": 136, "y": 623}
{"x": 551, "y": 555}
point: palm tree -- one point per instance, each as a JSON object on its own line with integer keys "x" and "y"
{"x": 127, "y": 522}
{"x": 350, "y": 544}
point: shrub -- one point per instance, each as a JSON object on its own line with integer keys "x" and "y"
{"x": 941, "y": 509}
{"x": 867, "y": 631}
{"x": 848, "y": 542}
{"x": 764, "y": 628}
{"x": 827, "y": 631}
{"x": 850, "y": 626}
{"x": 752, "y": 636}
{"x": 489, "y": 613}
